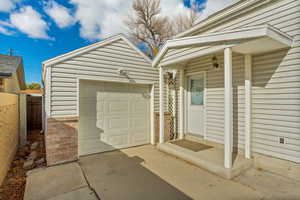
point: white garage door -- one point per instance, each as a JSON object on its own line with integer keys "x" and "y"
{"x": 112, "y": 116}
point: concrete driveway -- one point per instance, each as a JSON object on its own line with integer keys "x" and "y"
{"x": 148, "y": 174}
{"x": 144, "y": 173}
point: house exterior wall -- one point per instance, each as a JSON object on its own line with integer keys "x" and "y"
{"x": 282, "y": 14}
{"x": 61, "y": 85}
{"x": 11, "y": 84}
{"x": 9, "y": 131}
{"x": 215, "y": 97}
{"x": 276, "y": 84}
{"x": 102, "y": 63}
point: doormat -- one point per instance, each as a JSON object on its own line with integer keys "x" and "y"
{"x": 193, "y": 146}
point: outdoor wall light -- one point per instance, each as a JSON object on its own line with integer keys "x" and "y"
{"x": 168, "y": 75}
{"x": 123, "y": 72}
{"x": 215, "y": 62}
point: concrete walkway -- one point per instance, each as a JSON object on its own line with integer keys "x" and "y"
{"x": 148, "y": 174}
{"x": 62, "y": 182}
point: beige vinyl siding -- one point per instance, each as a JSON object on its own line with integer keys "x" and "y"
{"x": 276, "y": 104}
{"x": 282, "y": 14}
{"x": 101, "y": 63}
{"x": 215, "y": 97}
{"x": 276, "y": 82}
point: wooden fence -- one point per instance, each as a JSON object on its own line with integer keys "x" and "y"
{"x": 34, "y": 113}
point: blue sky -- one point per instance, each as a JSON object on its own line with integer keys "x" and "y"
{"x": 39, "y": 30}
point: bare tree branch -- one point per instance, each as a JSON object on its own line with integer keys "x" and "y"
{"x": 148, "y": 26}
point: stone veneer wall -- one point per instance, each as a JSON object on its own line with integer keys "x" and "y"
{"x": 9, "y": 131}
{"x": 61, "y": 140}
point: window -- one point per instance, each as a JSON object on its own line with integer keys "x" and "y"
{"x": 197, "y": 91}
{"x": 1, "y": 85}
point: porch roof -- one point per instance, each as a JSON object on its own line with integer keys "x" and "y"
{"x": 249, "y": 40}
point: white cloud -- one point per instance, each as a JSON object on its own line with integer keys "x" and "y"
{"x": 5, "y": 28}
{"x": 173, "y": 7}
{"x": 99, "y": 19}
{"x": 60, "y": 14}
{"x": 30, "y": 22}
{"x": 8, "y": 5}
{"x": 5, "y": 31}
{"x": 103, "y": 18}
{"x": 212, "y": 6}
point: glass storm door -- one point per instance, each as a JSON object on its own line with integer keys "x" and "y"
{"x": 195, "y": 105}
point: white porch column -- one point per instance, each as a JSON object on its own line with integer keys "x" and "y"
{"x": 181, "y": 105}
{"x": 228, "y": 108}
{"x": 248, "y": 104}
{"x": 161, "y": 106}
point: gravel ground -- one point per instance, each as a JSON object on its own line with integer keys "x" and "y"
{"x": 13, "y": 186}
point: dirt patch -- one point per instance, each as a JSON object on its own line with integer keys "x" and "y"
{"x": 13, "y": 186}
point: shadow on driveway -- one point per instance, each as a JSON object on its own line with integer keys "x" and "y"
{"x": 114, "y": 175}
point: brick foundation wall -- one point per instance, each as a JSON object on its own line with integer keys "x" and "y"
{"x": 167, "y": 126}
{"x": 61, "y": 140}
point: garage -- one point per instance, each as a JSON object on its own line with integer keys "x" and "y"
{"x": 112, "y": 116}
{"x": 99, "y": 98}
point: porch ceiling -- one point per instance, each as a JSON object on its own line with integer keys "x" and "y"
{"x": 250, "y": 40}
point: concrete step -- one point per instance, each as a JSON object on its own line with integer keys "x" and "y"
{"x": 210, "y": 159}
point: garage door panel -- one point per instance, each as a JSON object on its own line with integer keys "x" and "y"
{"x": 110, "y": 96}
{"x": 117, "y": 123}
{"x": 117, "y": 107}
{"x": 138, "y": 123}
{"x": 113, "y": 116}
{"x": 139, "y": 107}
{"x": 115, "y": 139}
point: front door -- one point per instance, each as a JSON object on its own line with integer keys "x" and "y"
{"x": 195, "y": 105}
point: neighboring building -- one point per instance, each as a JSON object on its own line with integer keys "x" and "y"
{"x": 98, "y": 98}
{"x": 239, "y": 86}
{"x": 12, "y": 110}
{"x": 11, "y": 74}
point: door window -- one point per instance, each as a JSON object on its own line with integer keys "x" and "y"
{"x": 197, "y": 91}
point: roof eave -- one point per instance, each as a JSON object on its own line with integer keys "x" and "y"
{"x": 85, "y": 49}
{"x": 226, "y": 37}
{"x": 224, "y": 14}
